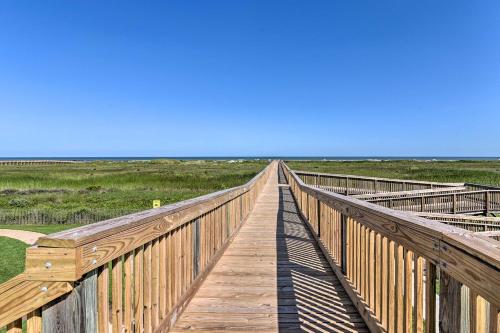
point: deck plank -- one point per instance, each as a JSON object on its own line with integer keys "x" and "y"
{"x": 272, "y": 278}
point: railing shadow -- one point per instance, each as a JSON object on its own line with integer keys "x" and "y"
{"x": 310, "y": 297}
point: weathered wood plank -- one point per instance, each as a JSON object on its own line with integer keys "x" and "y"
{"x": 449, "y": 304}
{"x": 75, "y": 312}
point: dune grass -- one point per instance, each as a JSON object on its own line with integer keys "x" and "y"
{"x": 107, "y": 189}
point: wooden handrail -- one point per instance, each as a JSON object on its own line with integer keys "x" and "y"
{"x": 163, "y": 254}
{"x": 367, "y": 242}
{"x": 414, "y": 193}
{"x": 333, "y": 175}
{"x": 459, "y": 217}
{"x": 433, "y": 195}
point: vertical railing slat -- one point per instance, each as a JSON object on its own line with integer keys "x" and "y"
{"x": 117, "y": 295}
{"x": 34, "y": 322}
{"x": 103, "y": 299}
{"x": 139, "y": 289}
{"x": 430, "y": 297}
{"x": 128, "y": 280}
{"x": 449, "y": 304}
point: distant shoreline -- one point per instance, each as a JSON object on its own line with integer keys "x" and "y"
{"x": 227, "y": 158}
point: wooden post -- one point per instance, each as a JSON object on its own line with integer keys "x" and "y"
{"x": 343, "y": 235}
{"x": 375, "y": 186}
{"x": 196, "y": 248}
{"x": 422, "y": 204}
{"x": 449, "y": 304}
{"x": 318, "y": 211}
{"x": 241, "y": 209}
{"x": 347, "y": 186}
{"x": 307, "y": 207}
{"x": 454, "y": 203}
{"x": 487, "y": 201}
{"x": 75, "y": 312}
{"x": 430, "y": 298}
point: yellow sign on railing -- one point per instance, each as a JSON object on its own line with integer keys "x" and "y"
{"x": 156, "y": 203}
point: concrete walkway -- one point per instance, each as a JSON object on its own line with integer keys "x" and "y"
{"x": 28, "y": 237}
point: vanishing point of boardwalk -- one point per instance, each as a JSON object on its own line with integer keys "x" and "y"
{"x": 273, "y": 277}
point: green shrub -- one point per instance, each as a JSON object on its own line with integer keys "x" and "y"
{"x": 19, "y": 203}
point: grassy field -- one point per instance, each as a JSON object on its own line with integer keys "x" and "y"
{"x": 114, "y": 188}
{"x": 12, "y": 258}
{"x": 131, "y": 186}
{"x": 482, "y": 172}
{"x": 53, "y": 193}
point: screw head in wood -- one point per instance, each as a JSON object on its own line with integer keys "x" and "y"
{"x": 48, "y": 264}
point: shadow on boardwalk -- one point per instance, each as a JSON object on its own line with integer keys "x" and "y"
{"x": 310, "y": 297}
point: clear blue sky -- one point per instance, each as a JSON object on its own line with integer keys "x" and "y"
{"x": 212, "y": 78}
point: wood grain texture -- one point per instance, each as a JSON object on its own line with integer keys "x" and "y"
{"x": 34, "y": 322}
{"x": 103, "y": 299}
{"x": 26, "y": 296}
{"x": 74, "y": 312}
{"x": 117, "y": 295}
{"x": 449, "y": 304}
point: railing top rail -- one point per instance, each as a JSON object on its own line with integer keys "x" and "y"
{"x": 457, "y": 216}
{"x": 494, "y": 233}
{"x": 299, "y": 172}
{"x": 89, "y": 233}
{"x": 409, "y": 193}
{"x": 486, "y": 187}
{"x": 432, "y": 195}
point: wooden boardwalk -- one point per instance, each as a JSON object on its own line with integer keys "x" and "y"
{"x": 272, "y": 278}
{"x": 137, "y": 273}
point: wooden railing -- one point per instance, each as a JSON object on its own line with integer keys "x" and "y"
{"x": 405, "y": 194}
{"x": 485, "y": 201}
{"x": 396, "y": 266}
{"x": 352, "y": 185}
{"x": 135, "y": 273}
{"x": 417, "y": 196}
{"x": 469, "y": 222}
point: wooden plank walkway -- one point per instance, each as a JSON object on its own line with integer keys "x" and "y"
{"x": 272, "y": 278}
